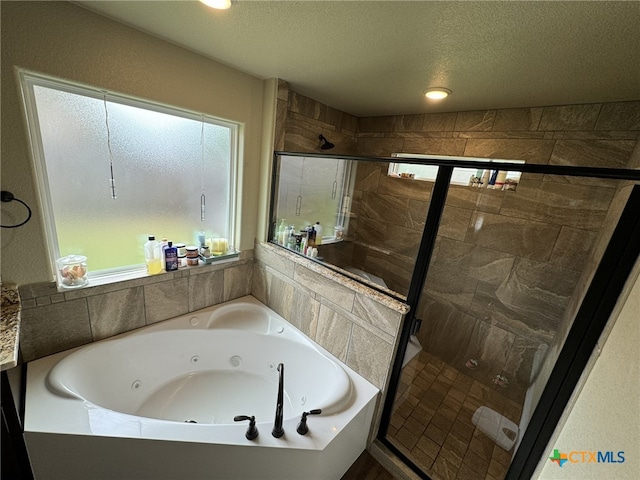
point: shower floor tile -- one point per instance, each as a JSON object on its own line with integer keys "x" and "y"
{"x": 431, "y": 422}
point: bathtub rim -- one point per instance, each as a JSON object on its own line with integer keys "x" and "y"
{"x": 72, "y": 415}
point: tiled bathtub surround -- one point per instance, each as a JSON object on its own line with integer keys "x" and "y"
{"x": 54, "y": 321}
{"x": 356, "y": 324}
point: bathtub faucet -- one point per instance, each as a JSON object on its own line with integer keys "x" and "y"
{"x": 278, "y": 431}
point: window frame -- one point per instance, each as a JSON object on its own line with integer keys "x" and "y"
{"x": 395, "y": 167}
{"x": 29, "y": 79}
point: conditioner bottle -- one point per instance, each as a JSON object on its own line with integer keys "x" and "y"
{"x": 171, "y": 257}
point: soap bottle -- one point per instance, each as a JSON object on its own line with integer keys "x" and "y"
{"x": 171, "y": 257}
{"x": 318, "y": 229}
{"x": 152, "y": 256}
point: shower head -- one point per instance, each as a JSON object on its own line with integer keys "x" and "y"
{"x": 326, "y": 144}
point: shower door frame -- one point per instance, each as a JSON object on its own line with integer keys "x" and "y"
{"x": 617, "y": 263}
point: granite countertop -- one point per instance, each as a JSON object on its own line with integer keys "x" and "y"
{"x": 9, "y": 326}
{"x": 381, "y": 298}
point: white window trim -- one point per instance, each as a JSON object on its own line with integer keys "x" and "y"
{"x": 28, "y": 79}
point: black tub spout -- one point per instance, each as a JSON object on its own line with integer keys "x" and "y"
{"x": 278, "y": 431}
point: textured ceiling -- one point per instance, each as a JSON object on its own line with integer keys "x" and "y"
{"x": 376, "y": 58}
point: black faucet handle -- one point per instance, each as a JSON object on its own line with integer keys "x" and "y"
{"x": 240, "y": 418}
{"x": 302, "y": 426}
{"x": 252, "y": 431}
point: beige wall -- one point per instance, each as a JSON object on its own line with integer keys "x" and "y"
{"x": 66, "y": 41}
{"x": 606, "y": 412}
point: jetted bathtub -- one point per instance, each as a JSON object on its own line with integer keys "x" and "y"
{"x": 160, "y": 402}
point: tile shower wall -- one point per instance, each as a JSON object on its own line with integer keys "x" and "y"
{"x": 506, "y": 264}
{"x": 599, "y": 245}
{"x": 300, "y": 120}
{"x": 533, "y": 244}
{"x": 54, "y": 321}
{"x": 354, "y": 323}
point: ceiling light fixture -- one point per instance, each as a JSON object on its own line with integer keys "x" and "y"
{"x": 437, "y": 93}
{"x": 218, "y": 4}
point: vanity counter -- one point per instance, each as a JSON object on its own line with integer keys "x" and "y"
{"x": 9, "y": 326}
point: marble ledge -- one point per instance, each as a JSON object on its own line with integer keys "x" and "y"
{"x": 358, "y": 287}
{"x": 9, "y": 327}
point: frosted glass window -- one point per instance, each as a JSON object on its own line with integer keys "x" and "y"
{"x": 166, "y": 164}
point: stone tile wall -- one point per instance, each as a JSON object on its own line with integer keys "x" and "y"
{"x": 356, "y": 324}
{"x": 300, "y": 120}
{"x": 505, "y": 267}
{"x": 506, "y": 264}
{"x": 54, "y": 321}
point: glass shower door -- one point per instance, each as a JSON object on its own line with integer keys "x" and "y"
{"x": 507, "y": 273}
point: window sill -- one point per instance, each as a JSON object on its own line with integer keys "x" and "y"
{"x": 97, "y": 280}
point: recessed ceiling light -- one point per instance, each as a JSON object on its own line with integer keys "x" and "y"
{"x": 437, "y": 93}
{"x": 219, "y": 4}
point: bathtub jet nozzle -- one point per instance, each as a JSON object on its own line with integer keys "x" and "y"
{"x": 252, "y": 431}
{"x": 278, "y": 431}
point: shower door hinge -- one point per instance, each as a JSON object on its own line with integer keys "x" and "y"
{"x": 415, "y": 326}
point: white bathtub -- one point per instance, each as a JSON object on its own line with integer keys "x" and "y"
{"x": 124, "y": 407}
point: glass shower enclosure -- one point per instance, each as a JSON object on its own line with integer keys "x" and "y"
{"x": 501, "y": 284}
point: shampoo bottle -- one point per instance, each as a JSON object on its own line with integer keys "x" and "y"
{"x": 171, "y": 258}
